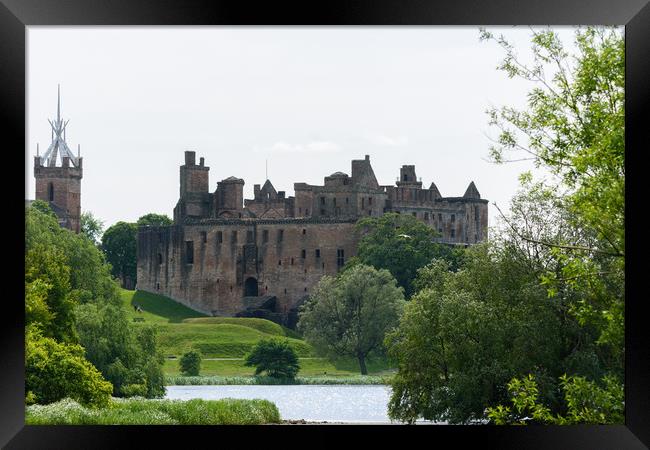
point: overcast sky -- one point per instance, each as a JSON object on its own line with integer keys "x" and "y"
{"x": 306, "y": 99}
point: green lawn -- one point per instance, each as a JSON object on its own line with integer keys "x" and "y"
{"x": 311, "y": 367}
{"x": 181, "y": 329}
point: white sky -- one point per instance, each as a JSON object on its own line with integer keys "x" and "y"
{"x": 307, "y": 99}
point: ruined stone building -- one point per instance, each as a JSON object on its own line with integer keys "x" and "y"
{"x": 58, "y": 176}
{"x": 226, "y": 255}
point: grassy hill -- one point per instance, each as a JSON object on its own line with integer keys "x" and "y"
{"x": 181, "y": 329}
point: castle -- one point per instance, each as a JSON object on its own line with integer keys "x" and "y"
{"x": 58, "y": 175}
{"x": 229, "y": 256}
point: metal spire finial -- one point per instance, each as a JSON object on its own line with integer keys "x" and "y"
{"x": 58, "y": 103}
{"x": 58, "y": 147}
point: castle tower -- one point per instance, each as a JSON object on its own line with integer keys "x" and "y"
{"x": 58, "y": 175}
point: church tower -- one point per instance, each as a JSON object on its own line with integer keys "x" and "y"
{"x": 58, "y": 175}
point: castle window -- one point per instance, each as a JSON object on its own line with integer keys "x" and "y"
{"x": 453, "y": 217}
{"x": 322, "y": 200}
{"x": 347, "y": 201}
{"x": 475, "y": 237}
{"x": 370, "y": 212}
{"x": 334, "y": 200}
{"x": 306, "y": 211}
{"x": 453, "y": 233}
{"x": 233, "y": 237}
{"x": 280, "y": 235}
{"x": 317, "y": 253}
{"x": 240, "y": 215}
{"x": 363, "y": 202}
{"x": 292, "y": 261}
{"x": 476, "y": 214}
{"x": 370, "y": 200}
{"x": 159, "y": 259}
{"x": 265, "y": 236}
{"x": 439, "y": 217}
{"x": 305, "y": 289}
{"x": 303, "y": 253}
{"x": 50, "y": 192}
{"x": 204, "y": 237}
{"x": 439, "y": 230}
{"x": 322, "y": 212}
{"x": 426, "y": 216}
{"x": 299, "y": 210}
{"x": 219, "y": 237}
{"x": 189, "y": 252}
{"x": 279, "y": 262}
{"x": 249, "y": 237}
{"x": 406, "y": 178}
{"x": 304, "y": 231}
{"x": 340, "y": 258}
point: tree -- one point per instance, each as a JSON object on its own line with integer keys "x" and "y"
{"x": 154, "y": 220}
{"x": 55, "y": 370}
{"x": 190, "y": 363}
{"x": 43, "y": 207}
{"x": 574, "y": 126}
{"x": 91, "y": 227}
{"x": 586, "y": 402}
{"x": 349, "y": 315}
{"x": 400, "y": 244}
{"x": 119, "y": 243}
{"x": 275, "y": 357}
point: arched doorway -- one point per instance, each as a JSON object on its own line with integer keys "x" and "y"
{"x": 250, "y": 287}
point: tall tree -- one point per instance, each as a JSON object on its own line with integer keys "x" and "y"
{"x": 119, "y": 245}
{"x": 400, "y": 244}
{"x": 574, "y": 126}
{"x": 349, "y": 315}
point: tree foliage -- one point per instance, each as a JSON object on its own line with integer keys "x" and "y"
{"x": 586, "y": 402}
{"x": 275, "y": 357}
{"x": 91, "y": 227}
{"x": 119, "y": 244}
{"x": 71, "y": 298}
{"x": 349, "y": 315}
{"x": 154, "y": 220}
{"x": 190, "y": 363}
{"x": 537, "y": 313}
{"x": 56, "y": 370}
{"x": 400, "y": 244}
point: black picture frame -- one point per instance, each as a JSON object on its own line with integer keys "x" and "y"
{"x": 15, "y": 15}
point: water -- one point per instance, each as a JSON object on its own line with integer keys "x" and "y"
{"x": 331, "y": 403}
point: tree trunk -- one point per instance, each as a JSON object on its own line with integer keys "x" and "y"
{"x": 362, "y": 364}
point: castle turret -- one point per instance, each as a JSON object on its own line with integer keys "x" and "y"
{"x": 58, "y": 176}
{"x": 407, "y": 177}
{"x": 195, "y": 199}
{"x": 230, "y": 196}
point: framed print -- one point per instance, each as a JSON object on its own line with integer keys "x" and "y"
{"x": 296, "y": 215}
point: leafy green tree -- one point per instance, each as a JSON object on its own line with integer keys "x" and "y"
{"x": 91, "y": 227}
{"x": 43, "y": 207}
{"x": 349, "y": 315}
{"x": 55, "y": 370}
{"x": 127, "y": 355}
{"x": 574, "y": 126}
{"x": 586, "y": 402}
{"x": 154, "y": 220}
{"x": 400, "y": 244}
{"x": 465, "y": 334}
{"x": 119, "y": 243}
{"x": 275, "y": 357}
{"x": 190, "y": 363}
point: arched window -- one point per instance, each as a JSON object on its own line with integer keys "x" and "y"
{"x": 50, "y": 192}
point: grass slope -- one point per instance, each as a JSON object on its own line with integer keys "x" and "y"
{"x": 181, "y": 329}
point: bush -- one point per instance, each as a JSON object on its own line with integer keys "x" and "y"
{"x": 190, "y": 363}
{"x": 277, "y": 358}
{"x": 54, "y": 371}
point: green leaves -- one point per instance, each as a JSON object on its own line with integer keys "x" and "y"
{"x": 275, "y": 357}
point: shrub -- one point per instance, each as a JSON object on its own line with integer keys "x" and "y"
{"x": 277, "y": 358}
{"x": 190, "y": 363}
{"x": 54, "y": 371}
